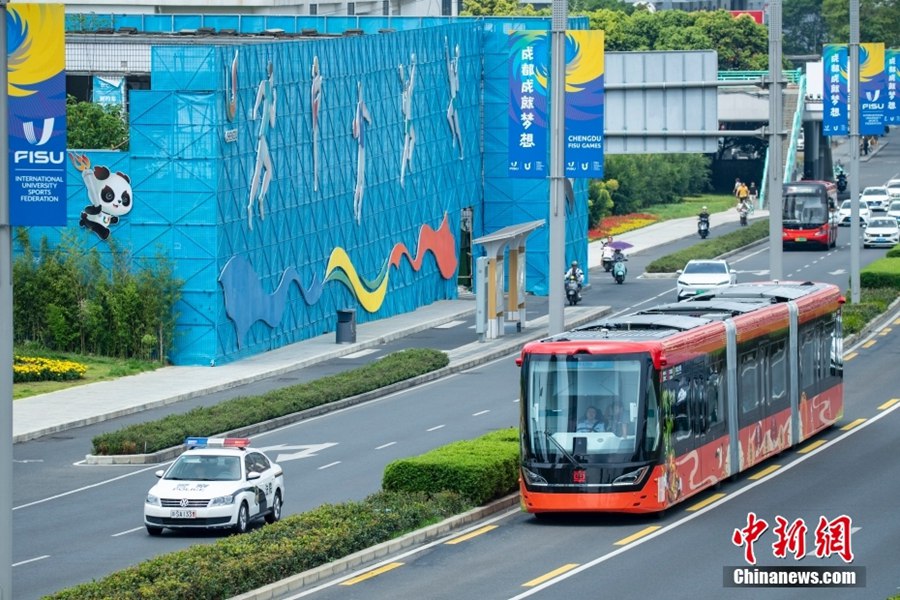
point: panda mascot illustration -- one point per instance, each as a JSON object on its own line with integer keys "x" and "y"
{"x": 109, "y": 193}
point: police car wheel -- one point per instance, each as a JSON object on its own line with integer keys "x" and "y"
{"x": 243, "y": 519}
{"x": 275, "y": 513}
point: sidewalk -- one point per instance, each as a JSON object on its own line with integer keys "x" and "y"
{"x": 46, "y": 414}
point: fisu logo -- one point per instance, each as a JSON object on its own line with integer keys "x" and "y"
{"x": 46, "y": 131}
{"x": 873, "y": 96}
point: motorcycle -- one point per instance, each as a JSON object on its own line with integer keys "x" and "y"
{"x": 606, "y": 258}
{"x": 573, "y": 291}
{"x": 703, "y": 227}
{"x": 743, "y": 213}
{"x": 619, "y": 270}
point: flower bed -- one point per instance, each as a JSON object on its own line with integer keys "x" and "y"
{"x": 617, "y": 224}
{"x": 34, "y": 368}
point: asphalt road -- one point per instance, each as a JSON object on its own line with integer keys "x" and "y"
{"x": 74, "y": 523}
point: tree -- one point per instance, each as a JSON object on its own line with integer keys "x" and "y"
{"x": 804, "y": 27}
{"x": 879, "y": 21}
{"x": 94, "y": 126}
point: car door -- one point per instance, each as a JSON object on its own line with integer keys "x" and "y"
{"x": 264, "y": 486}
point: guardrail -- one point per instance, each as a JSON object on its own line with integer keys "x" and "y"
{"x": 790, "y": 76}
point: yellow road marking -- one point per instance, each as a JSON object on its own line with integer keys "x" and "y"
{"x": 896, "y": 321}
{"x": 638, "y": 535}
{"x": 373, "y": 573}
{"x": 869, "y": 344}
{"x": 811, "y": 447}
{"x": 472, "y": 534}
{"x": 889, "y": 403}
{"x": 852, "y": 424}
{"x": 550, "y": 575}
{"x": 706, "y": 502}
{"x": 764, "y": 472}
{"x": 851, "y": 356}
{"x": 885, "y": 331}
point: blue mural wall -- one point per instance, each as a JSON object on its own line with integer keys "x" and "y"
{"x": 275, "y": 221}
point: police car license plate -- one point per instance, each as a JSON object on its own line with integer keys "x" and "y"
{"x": 184, "y": 514}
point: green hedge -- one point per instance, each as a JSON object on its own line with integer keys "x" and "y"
{"x": 239, "y": 564}
{"x": 249, "y": 410}
{"x": 478, "y": 470}
{"x": 711, "y": 247}
{"x": 882, "y": 273}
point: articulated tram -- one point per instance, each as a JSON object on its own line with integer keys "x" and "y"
{"x": 709, "y": 387}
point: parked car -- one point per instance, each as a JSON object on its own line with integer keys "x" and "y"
{"x": 893, "y": 188}
{"x": 877, "y": 197}
{"x": 699, "y": 276}
{"x": 218, "y": 483}
{"x": 883, "y": 232}
{"x": 844, "y": 213}
{"x": 894, "y": 210}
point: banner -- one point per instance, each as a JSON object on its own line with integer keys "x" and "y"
{"x": 584, "y": 104}
{"x": 892, "y": 68}
{"x": 37, "y": 114}
{"x": 834, "y": 94}
{"x": 108, "y": 90}
{"x": 527, "y": 115}
{"x": 872, "y": 99}
{"x": 872, "y": 89}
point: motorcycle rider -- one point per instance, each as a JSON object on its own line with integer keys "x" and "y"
{"x": 743, "y": 209}
{"x": 619, "y": 256}
{"x": 577, "y": 274}
{"x": 703, "y": 216}
{"x": 606, "y": 256}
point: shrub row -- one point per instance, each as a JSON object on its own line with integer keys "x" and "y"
{"x": 426, "y": 490}
{"x": 478, "y": 470}
{"x": 249, "y": 410}
{"x": 35, "y": 368}
{"x": 238, "y": 564}
{"x": 711, "y": 247}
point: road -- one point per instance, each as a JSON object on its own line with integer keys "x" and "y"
{"x": 73, "y": 522}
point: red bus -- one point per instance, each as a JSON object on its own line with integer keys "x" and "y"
{"x": 809, "y": 215}
{"x": 708, "y": 387}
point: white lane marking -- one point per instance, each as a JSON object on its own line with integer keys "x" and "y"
{"x": 448, "y": 325}
{"x": 435, "y": 428}
{"x": 30, "y": 560}
{"x": 127, "y": 531}
{"x": 702, "y": 511}
{"x": 329, "y": 465}
{"x": 383, "y": 446}
{"x": 28, "y": 460}
{"x": 93, "y": 485}
{"x": 481, "y": 412}
{"x": 361, "y": 353}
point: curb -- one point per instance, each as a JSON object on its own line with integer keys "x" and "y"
{"x": 461, "y": 359}
{"x": 300, "y": 581}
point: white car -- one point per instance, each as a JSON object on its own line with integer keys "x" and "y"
{"x": 699, "y": 276}
{"x": 877, "y": 197}
{"x": 844, "y": 213}
{"x": 882, "y": 231}
{"x": 218, "y": 483}
{"x": 894, "y": 210}
{"x": 893, "y": 189}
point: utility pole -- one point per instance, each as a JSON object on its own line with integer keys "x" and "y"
{"x": 557, "y": 213}
{"x": 776, "y": 154}
{"x": 853, "y": 115}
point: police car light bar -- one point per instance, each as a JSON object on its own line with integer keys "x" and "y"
{"x": 208, "y": 442}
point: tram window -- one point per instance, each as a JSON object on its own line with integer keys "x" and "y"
{"x": 681, "y": 410}
{"x": 651, "y": 438}
{"x": 807, "y": 358}
{"x": 837, "y": 348}
{"x": 748, "y": 382}
{"x": 714, "y": 398}
{"x": 824, "y": 350}
{"x": 701, "y": 423}
{"x": 777, "y": 372}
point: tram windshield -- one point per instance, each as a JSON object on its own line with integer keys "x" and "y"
{"x": 589, "y": 407}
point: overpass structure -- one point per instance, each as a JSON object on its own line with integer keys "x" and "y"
{"x": 807, "y": 152}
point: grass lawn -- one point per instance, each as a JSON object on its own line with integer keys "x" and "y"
{"x": 691, "y": 206}
{"x": 99, "y": 368}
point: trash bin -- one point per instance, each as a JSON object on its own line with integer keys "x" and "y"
{"x": 346, "y": 326}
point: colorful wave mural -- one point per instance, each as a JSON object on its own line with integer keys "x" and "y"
{"x": 246, "y": 302}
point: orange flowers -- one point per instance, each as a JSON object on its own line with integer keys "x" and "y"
{"x": 616, "y": 224}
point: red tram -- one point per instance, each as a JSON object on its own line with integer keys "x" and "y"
{"x": 708, "y": 387}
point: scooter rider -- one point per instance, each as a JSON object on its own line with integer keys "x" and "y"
{"x": 606, "y": 256}
{"x": 704, "y": 214}
{"x": 577, "y": 275}
{"x": 619, "y": 256}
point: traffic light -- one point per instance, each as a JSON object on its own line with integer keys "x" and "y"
{"x": 842, "y": 182}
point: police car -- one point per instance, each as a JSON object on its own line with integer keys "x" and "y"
{"x": 217, "y": 483}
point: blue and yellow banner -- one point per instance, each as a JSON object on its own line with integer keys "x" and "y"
{"x": 36, "y": 55}
{"x": 529, "y": 55}
{"x": 584, "y": 104}
{"x": 892, "y": 69}
{"x": 872, "y": 89}
{"x": 834, "y": 94}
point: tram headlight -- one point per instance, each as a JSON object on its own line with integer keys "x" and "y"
{"x": 631, "y": 477}
{"x": 533, "y": 478}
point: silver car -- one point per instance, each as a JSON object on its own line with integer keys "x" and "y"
{"x": 699, "y": 276}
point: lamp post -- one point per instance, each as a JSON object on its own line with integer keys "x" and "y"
{"x": 557, "y": 213}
